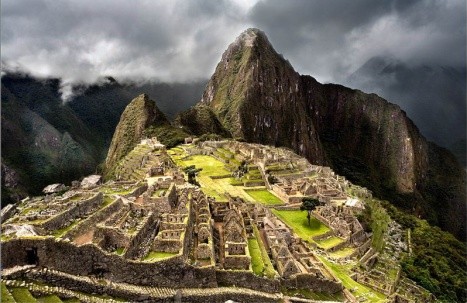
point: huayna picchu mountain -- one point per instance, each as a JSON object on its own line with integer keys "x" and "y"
{"x": 258, "y": 97}
{"x": 141, "y": 118}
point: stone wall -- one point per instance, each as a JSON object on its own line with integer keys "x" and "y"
{"x": 89, "y": 260}
{"x": 137, "y": 191}
{"x": 81, "y": 209}
{"x": 7, "y": 212}
{"x": 310, "y": 281}
{"x": 243, "y": 278}
{"x": 110, "y": 237}
{"x": 95, "y": 218}
{"x": 139, "y": 244}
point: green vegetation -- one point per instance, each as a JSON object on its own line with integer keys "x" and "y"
{"x": 210, "y": 165}
{"x": 210, "y": 137}
{"x": 268, "y": 268}
{"x": 157, "y": 255}
{"x": 256, "y": 259}
{"x": 22, "y": 294}
{"x": 168, "y": 135}
{"x": 343, "y": 273}
{"x": 119, "y": 251}
{"x": 342, "y": 253}
{"x": 192, "y": 172}
{"x": 49, "y": 299}
{"x": 375, "y": 219}
{"x": 309, "y": 204}
{"x": 295, "y": 220}
{"x": 438, "y": 261}
{"x": 308, "y": 294}
{"x": 264, "y": 196}
{"x": 329, "y": 242}
{"x": 107, "y": 200}
{"x": 235, "y": 182}
{"x": 60, "y": 232}
{"x": 6, "y": 295}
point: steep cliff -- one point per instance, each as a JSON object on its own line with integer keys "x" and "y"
{"x": 258, "y": 97}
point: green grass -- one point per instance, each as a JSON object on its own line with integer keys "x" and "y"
{"x": 60, "y": 232}
{"x": 211, "y": 166}
{"x": 342, "y": 253}
{"x": 329, "y": 242}
{"x": 308, "y": 294}
{"x": 235, "y": 182}
{"x": 256, "y": 259}
{"x": 49, "y": 299}
{"x": 119, "y": 251}
{"x": 157, "y": 255}
{"x": 264, "y": 197}
{"x": 268, "y": 267}
{"x": 22, "y": 294}
{"x": 6, "y": 295}
{"x": 107, "y": 200}
{"x": 297, "y": 220}
{"x": 342, "y": 272}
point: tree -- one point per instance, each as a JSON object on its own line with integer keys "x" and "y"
{"x": 192, "y": 172}
{"x": 309, "y": 204}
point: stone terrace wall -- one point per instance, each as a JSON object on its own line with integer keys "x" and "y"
{"x": 310, "y": 281}
{"x": 88, "y": 260}
{"x": 136, "y": 248}
{"x": 137, "y": 191}
{"x": 81, "y": 209}
{"x": 247, "y": 279}
{"x": 94, "y": 219}
{"x": 7, "y": 212}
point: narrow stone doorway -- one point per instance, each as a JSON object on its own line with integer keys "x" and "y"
{"x": 31, "y": 256}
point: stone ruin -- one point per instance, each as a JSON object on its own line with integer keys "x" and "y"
{"x": 151, "y": 228}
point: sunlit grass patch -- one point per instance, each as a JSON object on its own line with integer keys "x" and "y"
{"x": 264, "y": 196}
{"x": 298, "y": 221}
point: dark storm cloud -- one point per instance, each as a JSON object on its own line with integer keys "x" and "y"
{"x": 83, "y": 40}
{"x": 330, "y": 39}
{"x": 410, "y": 52}
{"x": 181, "y": 40}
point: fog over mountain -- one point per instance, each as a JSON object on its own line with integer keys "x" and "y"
{"x": 181, "y": 41}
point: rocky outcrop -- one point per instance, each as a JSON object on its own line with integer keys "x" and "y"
{"x": 140, "y": 114}
{"x": 200, "y": 120}
{"x": 257, "y": 96}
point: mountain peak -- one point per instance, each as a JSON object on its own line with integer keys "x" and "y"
{"x": 139, "y": 114}
{"x": 248, "y": 37}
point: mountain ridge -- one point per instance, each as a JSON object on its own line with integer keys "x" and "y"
{"x": 258, "y": 96}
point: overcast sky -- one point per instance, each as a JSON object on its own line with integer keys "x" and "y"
{"x": 181, "y": 40}
{"x": 82, "y": 40}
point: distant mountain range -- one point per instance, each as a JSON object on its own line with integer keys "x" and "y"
{"x": 46, "y": 141}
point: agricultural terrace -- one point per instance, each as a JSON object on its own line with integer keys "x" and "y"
{"x": 216, "y": 180}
